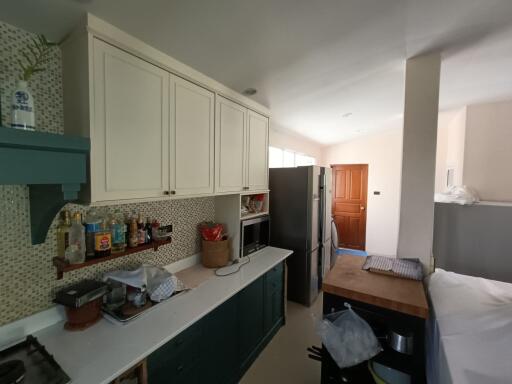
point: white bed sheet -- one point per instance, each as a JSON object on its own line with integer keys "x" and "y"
{"x": 470, "y": 330}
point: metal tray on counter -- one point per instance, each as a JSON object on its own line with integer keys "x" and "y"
{"x": 116, "y": 315}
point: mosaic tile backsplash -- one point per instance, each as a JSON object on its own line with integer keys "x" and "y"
{"x": 27, "y": 277}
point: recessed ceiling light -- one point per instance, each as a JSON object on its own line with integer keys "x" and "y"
{"x": 250, "y": 91}
{"x": 345, "y": 115}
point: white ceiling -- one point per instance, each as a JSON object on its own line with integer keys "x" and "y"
{"x": 312, "y": 61}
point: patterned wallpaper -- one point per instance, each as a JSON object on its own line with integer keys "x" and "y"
{"x": 27, "y": 277}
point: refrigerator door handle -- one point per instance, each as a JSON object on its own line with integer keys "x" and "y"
{"x": 323, "y": 195}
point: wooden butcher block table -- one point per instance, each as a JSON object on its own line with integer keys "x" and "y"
{"x": 387, "y": 303}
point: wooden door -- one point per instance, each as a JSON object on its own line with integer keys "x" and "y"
{"x": 192, "y": 138}
{"x": 257, "y": 151}
{"x": 130, "y": 139}
{"x": 350, "y": 185}
{"x": 230, "y": 142}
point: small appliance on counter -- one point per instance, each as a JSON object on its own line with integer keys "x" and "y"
{"x": 83, "y": 303}
{"x": 28, "y": 362}
{"x": 254, "y": 235}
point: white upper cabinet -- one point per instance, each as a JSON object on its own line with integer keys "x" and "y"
{"x": 191, "y": 138}
{"x": 230, "y": 142}
{"x": 257, "y": 151}
{"x": 130, "y": 134}
{"x": 241, "y": 138}
{"x": 155, "y": 135}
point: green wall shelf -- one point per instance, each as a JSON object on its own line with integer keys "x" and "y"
{"x": 53, "y": 166}
{"x": 63, "y": 266}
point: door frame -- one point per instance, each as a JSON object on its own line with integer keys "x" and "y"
{"x": 365, "y": 192}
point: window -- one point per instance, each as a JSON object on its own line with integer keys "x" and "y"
{"x": 279, "y": 158}
{"x": 301, "y": 160}
{"x": 288, "y": 159}
{"x": 275, "y": 157}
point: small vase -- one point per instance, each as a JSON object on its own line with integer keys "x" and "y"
{"x": 22, "y": 107}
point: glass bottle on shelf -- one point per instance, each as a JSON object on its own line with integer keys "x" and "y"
{"x": 117, "y": 229}
{"x": 75, "y": 253}
{"x": 148, "y": 231}
{"x": 103, "y": 240}
{"x": 141, "y": 230}
{"x": 133, "y": 239}
{"x": 63, "y": 233}
{"x": 92, "y": 225}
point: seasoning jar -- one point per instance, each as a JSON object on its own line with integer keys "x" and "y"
{"x": 103, "y": 241}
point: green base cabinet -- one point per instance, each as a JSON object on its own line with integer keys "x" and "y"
{"x": 274, "y": 298}
{"x": 221, "y": 347}
{"x": 219, "y": 357}
{"x": 177, "y": 361}
{"x": 251, "y": 302}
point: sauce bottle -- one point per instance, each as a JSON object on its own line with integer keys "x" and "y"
{"x": 133, "y": 240}
{"x": 141, "y": 231}
{"x": 103, "y": 241}
{"x": 75, "y": 253}
{"x": 117, "y": 230}
{"x": 63, "y": 233}
{"x": 92, "y": 225}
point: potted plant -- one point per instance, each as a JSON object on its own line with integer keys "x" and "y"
{"x": 35, "y": 56}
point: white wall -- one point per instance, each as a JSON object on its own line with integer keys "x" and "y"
{"x": 488, "y": 151}
{"x": 451, "y": 130}
{"x": 421, "y": 110}
{"x": 285, "y": 140}
{"x": 383, "y": 153}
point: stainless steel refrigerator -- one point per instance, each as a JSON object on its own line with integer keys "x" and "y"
{"x": 300, "y": 220}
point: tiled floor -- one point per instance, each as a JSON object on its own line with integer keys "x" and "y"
{"x": 285, "y": 360}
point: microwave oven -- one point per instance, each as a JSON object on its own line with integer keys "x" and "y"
{"x": 254, "y": 235}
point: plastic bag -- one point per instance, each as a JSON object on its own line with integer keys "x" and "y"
{"x": 462, "y": 195}
{"x": 348, "y": 338}
{"x": 211, "y": 231}
{"x": 159, "y": 283}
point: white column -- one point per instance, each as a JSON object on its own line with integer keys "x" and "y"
{"x": 419, "y": 158}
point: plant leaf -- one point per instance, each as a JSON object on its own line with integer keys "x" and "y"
{"x": 20, "y": 63}
{"x": 33, "y": 50}
{"x": 27, "y": 57}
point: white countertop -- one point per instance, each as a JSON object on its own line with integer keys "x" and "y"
{"x": 101, "y": 353}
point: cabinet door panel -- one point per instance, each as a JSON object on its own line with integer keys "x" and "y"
{"x": 273, "y": 311}
{"x": 230, "y": 142}
{"x": 129, "y": 155}
{"x": 250, "y": 315}
{"x": 219, "y": 363}
{"x": 192, "y": 138}
{"x": 177, "y": 361}
{"x": 257, "y": 151}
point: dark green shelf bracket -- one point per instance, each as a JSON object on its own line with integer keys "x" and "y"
{"x": 46, "y": 200}
{"x": 53, "y": 166}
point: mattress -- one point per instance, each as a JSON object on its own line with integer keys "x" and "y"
{"x": 469, "y": 335}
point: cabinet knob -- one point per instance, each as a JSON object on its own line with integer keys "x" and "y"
{"x": 173, "y": 192}
{"x": 166, "y": 192}
{"x": 246, "y": 188}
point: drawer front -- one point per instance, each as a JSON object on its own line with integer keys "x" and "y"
{"x": 177, "y": 360}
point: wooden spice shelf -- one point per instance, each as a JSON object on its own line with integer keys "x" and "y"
{"x": 63, "y": 266}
